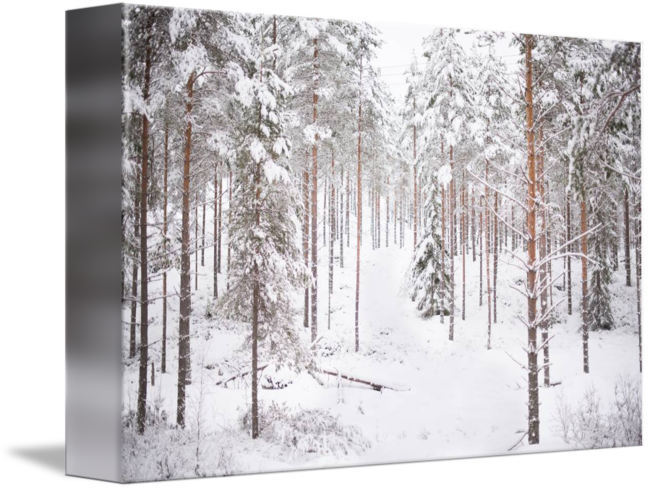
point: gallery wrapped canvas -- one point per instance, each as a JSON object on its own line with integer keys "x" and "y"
{"x": 301, "y": 243}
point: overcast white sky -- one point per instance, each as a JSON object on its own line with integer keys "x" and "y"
{"x": 400, "y": 40}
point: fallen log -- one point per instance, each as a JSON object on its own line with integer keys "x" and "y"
{"x": 239, "y": 375}
{"x": 375, "y": 386}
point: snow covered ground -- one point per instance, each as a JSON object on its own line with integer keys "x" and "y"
{"x": 455, "y": 399}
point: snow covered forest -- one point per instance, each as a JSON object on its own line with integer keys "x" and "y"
{"x": 317, "y": 273}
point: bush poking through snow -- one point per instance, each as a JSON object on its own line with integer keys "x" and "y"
{"x": 308, "y": 431}
{"x": 590, "y": 426}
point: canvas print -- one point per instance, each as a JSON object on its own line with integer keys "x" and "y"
{"x": 352, "y": 243}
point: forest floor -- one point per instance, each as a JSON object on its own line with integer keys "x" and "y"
{"x": 455, "y": 398}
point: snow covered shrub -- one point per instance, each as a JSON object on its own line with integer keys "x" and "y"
{"x": 308, "y": 431}
{"x": 328, "y": 347}
{"x": 276, "y": 377}
{"x": 590, "y": 426}
{"x": 162, "y": 453}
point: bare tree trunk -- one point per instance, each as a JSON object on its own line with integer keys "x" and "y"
{"x": 443, "y": 258}
{"x": 164, "y": 331}
{"x": 342, "y": 220}
{"x": 495, "y": 256}
{"x": 196, "y": 241}
{"x": 347, "y": 209}
{"x": 568, "y": 258}
{"x": 463, "y": 238}
{"x": 487, "y": 260}
{"x": 134, "y": 272}
{"x": 585, "y": 314}
{"x": 305, "y": 233}
{"x": 452, "y": 233}
{"x": 480, "y": 238}
{"x": 388, "y": 214}
{"x": 314, "y": 207}
{"x": 331, "y": 250}
{"x": 373, "y": 208}
{"x": 216, "y": 232}
{"x": 203, "y": 236}
{"x": 229, "y": 221}
{"x": 185, "y": 309}
{"x": 144, "y": 264}
{"x": 415, "y": 189}
{"x": 219, "y": 221}
{"x": 378, "y": 214}
{"x": 626, "y": 219}
{"x": 637, "y": 249}
{"x": 473, "y": 204}
{"x": 544, "y": 278}
{"x": 531, "y": 274}
{"x": 359, "y": 195}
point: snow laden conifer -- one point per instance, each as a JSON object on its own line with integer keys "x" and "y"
{"x": 266, "y": 268}
{"x": 428, "y": 279}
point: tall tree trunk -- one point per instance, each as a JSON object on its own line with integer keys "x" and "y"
{"x": 341, "y": 219}
{"x": 166, "y": 174}
{"x": 443, "y": 258}
{"x": 585, "y": 313}
{"x": 215, "y": 240}
{"x": 359, "y": 196}
{"x": 544, "y": 278}
{"x": 134, "y": 272}
{"x": 219, "y": 223}
{"x": 388, "y": 214}
{"x": 314, "y": 207}
{"x": 452, "y": 235}
{"x": 473, "y": 204}
{"x": 185, "y": 309}
{"x": 203, "y": 236}
{"x": 196, "y": 241}
{"x": 347, "y": 209}
{"x": 626, "y": 219}
{"x": 495, "y": 257}
{"x": 305, "y": 233}
{"x": 531, "y": 274}
{"x": 415, "y": 188}
{"x": 325, "y": 212}
{"x": 331, "y": 250}
{"x": 229, "y": 221}
{"x": 568, "y": 258}
{"x": 463, "y": 238}
{"x": 144, "y": 264}
{"x": 378, "y": 226}
{"x": 487, "y": 260}
{"x": 480, "y": 239}
{"x": 371, "y": 203}
{"x": 637, "y": 249}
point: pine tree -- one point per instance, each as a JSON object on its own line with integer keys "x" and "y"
{"x": 428, "y": 279}
{"x": 264, "y": 227}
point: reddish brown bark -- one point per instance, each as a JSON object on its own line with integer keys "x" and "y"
{"x": 185, "y": 309}
{"x": 144, "y": 264}
{"x": 585, "y": 312}
{"x": 531, "y": 275}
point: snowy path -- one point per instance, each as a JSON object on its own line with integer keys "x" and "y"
{"x": 462, "y": 400}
